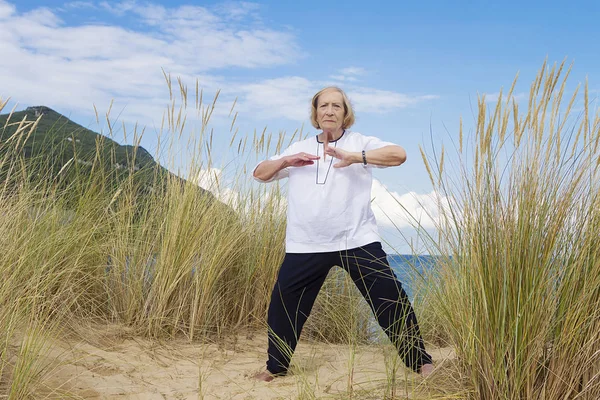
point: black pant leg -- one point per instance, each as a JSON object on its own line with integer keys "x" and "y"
{"x": 298, "y": 283}
{"x": 370, "y": 271}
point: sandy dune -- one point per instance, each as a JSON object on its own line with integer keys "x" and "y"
{"x": 109, "y": 364}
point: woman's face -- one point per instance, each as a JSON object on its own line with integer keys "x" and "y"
{"x": 330, "y": 110}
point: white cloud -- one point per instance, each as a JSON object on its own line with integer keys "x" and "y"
{"x": 236, "y": 194}
{"x": 382, "y": 101}
{"x": 349, "y": 74}
{"x": 72, "y": 68}
{"x": 343, "y": 78}
{"x": 239, "y": 10}
{"x": 47, "y": 62}
{"x": 281, "y": 97}
{"x": 407, "y": 210}
{"x": 118, "y": 8}
{"x": 209, "y": 178}
{"x": 353, "y": 71}
{"x": 42, "y": 17}
{"x": 289, "y": 97}
{"x": 78, "y": 5}
{"x": 6, "y": 10}
{"x": 153, "y": 14}
{"x": 212, "y": 180}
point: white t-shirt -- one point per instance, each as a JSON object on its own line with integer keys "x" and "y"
{"x": 329, "y": 209}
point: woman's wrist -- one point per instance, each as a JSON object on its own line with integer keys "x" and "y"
{"x": 357, "y": 158}
{"x": 284, "y": 162}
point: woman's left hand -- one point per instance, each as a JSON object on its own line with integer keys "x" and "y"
{"x": 346, "y": 158}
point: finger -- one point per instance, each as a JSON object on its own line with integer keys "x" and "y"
{"x": 308, "y": 156}
{"x": 334, "y": 154}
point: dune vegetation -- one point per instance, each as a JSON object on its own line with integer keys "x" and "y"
{"x": 518, "y": 287}
{"x": 85, "y": 242}
{"x": 515, "y": 291}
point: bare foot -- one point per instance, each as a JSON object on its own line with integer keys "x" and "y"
{"x": 264, "y": 376}
{"x": 426, "y": 370}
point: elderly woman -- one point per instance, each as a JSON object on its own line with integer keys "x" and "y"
{"x": 330, "y": 222}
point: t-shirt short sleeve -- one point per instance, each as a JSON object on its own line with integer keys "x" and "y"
{"x": 284, "y": 173}
{"x": 373, "y": 143}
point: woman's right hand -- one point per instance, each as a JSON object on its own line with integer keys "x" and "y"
{"x": 301, "y": 159}
{"x": 266, "y": 170}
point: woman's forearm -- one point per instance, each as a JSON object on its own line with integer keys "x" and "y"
{"x": 388, "y": 156}
{"x": 266, "y": 170}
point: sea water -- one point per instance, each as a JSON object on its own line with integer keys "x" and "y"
{"x": 409, "y": 268}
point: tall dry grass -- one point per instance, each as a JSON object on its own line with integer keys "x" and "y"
{"x": 518, "y": 290}
{"x": 173, "y": 261}
{"x": 167, "y": 261}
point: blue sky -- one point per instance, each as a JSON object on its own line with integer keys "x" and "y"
{"x": 410, "y": 68}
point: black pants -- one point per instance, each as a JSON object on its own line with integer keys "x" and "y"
{"x": 299, "y": 281}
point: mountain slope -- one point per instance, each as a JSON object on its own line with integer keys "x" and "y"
{"x": 58, "y": 141}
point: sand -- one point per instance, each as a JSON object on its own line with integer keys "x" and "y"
{"x": 109, "y": 363}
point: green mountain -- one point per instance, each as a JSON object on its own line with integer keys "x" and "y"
{"x": 57, "y": 141}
